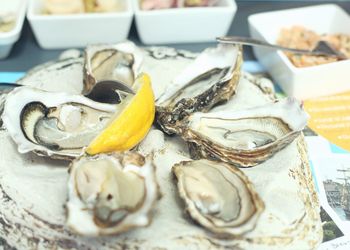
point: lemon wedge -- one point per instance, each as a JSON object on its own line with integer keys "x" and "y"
{"x": 130, "y": 123}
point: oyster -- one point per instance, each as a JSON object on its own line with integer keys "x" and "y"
{"x": 120, "y": 62}
{"x": 110, "y": 193}
{"x": 63, "y": 75}
{"x": 218, "y": 196}
{"x": 54, "y": 124}
{"x": 247, "y": 137}
{"x": 211, "y": 79}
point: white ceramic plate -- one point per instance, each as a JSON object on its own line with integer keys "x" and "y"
{"x": 7, "y": 39}
{"x": 307, "y": 82}
{"x": 78, "y": 30}
{"x": 184, "y": 25}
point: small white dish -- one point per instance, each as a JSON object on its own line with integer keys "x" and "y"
{"x": 184, "y": 25}
{"x": 8, "y": 39}
{"x": 308, "y": 82}
{"x": 78, "y": 30}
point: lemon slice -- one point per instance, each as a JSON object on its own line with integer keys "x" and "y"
{"x": 130, "y": 123}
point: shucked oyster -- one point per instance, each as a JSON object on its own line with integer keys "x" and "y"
{"x": 110, "y": 194}
{"x": 54, "y": 124}
{"x": 219, "y": 197}
{"x": 247, "y": 137}
{"x": 211, "y": 79}
{"x": 111, "y": 62}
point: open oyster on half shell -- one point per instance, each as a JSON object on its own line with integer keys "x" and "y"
{"x": 247, "y": 137}
{"x": 211, "y": 79}
{"x": 218, "y": 196}
{"x": 110, "y": 193}
{"x": 53, "y": 124}
{"x": 121, "y": 62}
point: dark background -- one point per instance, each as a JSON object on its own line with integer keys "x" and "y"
{"x": 26, "y": 53}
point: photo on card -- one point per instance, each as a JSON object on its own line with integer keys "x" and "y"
{"x": 333, "y": 181}
{"x": 330, "y": 229}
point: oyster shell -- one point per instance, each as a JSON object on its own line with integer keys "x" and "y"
{"x": 56, "y": 124}
{"x": 247, "y": 137}
{"x": 110, "y": 193}
{"x": 211, "y": 79}
{"x": 111, "y": 62}
{"x": 218, "y": 196}
{"x": 63, "y": 75}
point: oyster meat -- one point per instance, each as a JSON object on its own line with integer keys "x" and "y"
{"x": 58, "y": 125}
{"x": 121, "y": 62}
{"x": 211, "y": 79}
{"x": 244, "y": 138}
{"x": 110, "y": 193}
{"x": 218, "y": 196}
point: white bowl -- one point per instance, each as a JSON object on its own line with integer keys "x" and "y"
{"x": 7, "y": 39}
{"x": 184, "y": 25}
{"x": 308, "y": 82}
{"x": 78, "y": 30}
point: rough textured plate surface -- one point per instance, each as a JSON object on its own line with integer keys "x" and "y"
{"x": 33, "y": 190}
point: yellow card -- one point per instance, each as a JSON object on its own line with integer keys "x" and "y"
{"x": 330, "y": 118}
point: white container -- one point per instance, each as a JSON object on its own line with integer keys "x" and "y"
{"x": 308, "y": 82}
{"x": 78, "y": 30}
{"x": 184, "y": 25}
{"x": 7, "y": 39}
